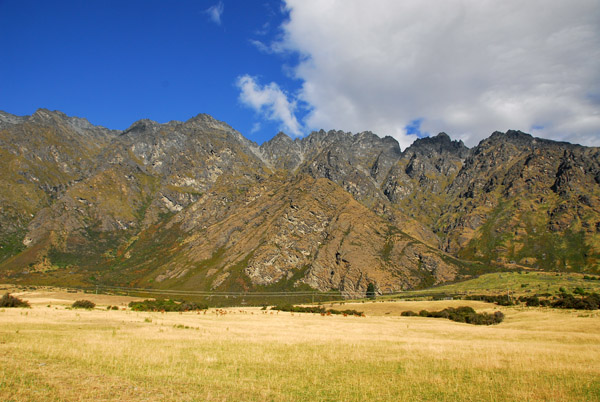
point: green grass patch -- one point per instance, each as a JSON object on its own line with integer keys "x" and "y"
{"x": 538, "y": 282}
{"x": 11, "y": 244}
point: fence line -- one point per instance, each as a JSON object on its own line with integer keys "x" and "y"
{"x": 202, "y": 293}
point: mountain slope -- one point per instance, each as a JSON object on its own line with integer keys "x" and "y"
{"x": 194, "y": 205}
{"x": 532, "y": 201}
{"x": 40, "y": 157}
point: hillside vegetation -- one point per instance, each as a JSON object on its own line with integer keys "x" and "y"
{"x": 521, "y": 283}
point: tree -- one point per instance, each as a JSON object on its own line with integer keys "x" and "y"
{"x": 371, "y": 291}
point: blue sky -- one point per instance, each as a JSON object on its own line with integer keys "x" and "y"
{"x": 114, "y": 62}
{"x": 400, "y": 68}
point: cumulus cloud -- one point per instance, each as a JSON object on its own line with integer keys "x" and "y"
{"x": 464, "y": 67}
{"x": 215, "y": 12}
{"x": 270, "y": 102}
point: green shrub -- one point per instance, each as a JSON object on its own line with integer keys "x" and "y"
{"x": 442, "y": 296}
{"x": 84, "y": 304}
{"x": 316, "y": 310}
{"x": 371, "y": 291}
{"x": 590, "y": 302}
{"x": 166, "y": 305}
{"x": 461, "y": 314}
{"x": 345, "y": 312}
{"x": 191, "y": 306}
{"x": 501, "y": 300}
{"x": 531, "y": 301}
{"x": 11, "y": 301}
{"x": 300, "y": 309}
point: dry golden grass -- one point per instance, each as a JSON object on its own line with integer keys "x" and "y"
{"x": 378, "y": 308}
{"x": 56, "y": 354}
{"x": 57, "y": 296}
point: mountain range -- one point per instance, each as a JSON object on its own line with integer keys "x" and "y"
{"x": 195, "y": 205}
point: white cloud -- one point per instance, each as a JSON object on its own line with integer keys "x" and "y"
{"x": 255, "y": 127}
{"x": 270, "y": 102}
{"x": 264, "y": 29}
{"x": 215, "y": 12}
{"x": 261, "y": 46}
{"x": 464, "y": 67}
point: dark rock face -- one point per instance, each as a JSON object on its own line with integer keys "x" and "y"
{"x": 282, "y": 153}
{"x": 358, "y": 163}
{"x": 195, "y": 205}
{"x": 424, "y": 163}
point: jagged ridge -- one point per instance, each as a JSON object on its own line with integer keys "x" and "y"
{"x": 195, "y": 205}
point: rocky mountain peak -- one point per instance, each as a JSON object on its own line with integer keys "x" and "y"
{"x": 207, "y": 121}
{"x": 141, "y": 126}
{"x": 367, "y": 135}
{"x": 281, "y": 152}
{"x": 322, "y": 137}
{"x": 440, "y": 144}
{"x": 281, "y": 137}
{"x": 511, "y": 136}
{"x": 46, "y": 114}
{"x": 518, "y": 141}
{"x": 7, "y": 118}
{"x": 55, "y": 118}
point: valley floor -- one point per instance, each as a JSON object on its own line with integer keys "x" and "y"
{"x": 53, "y": 353}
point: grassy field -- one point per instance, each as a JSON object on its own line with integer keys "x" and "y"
{"x": 53, "y": 353}
{"x": 523, "y": 283}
